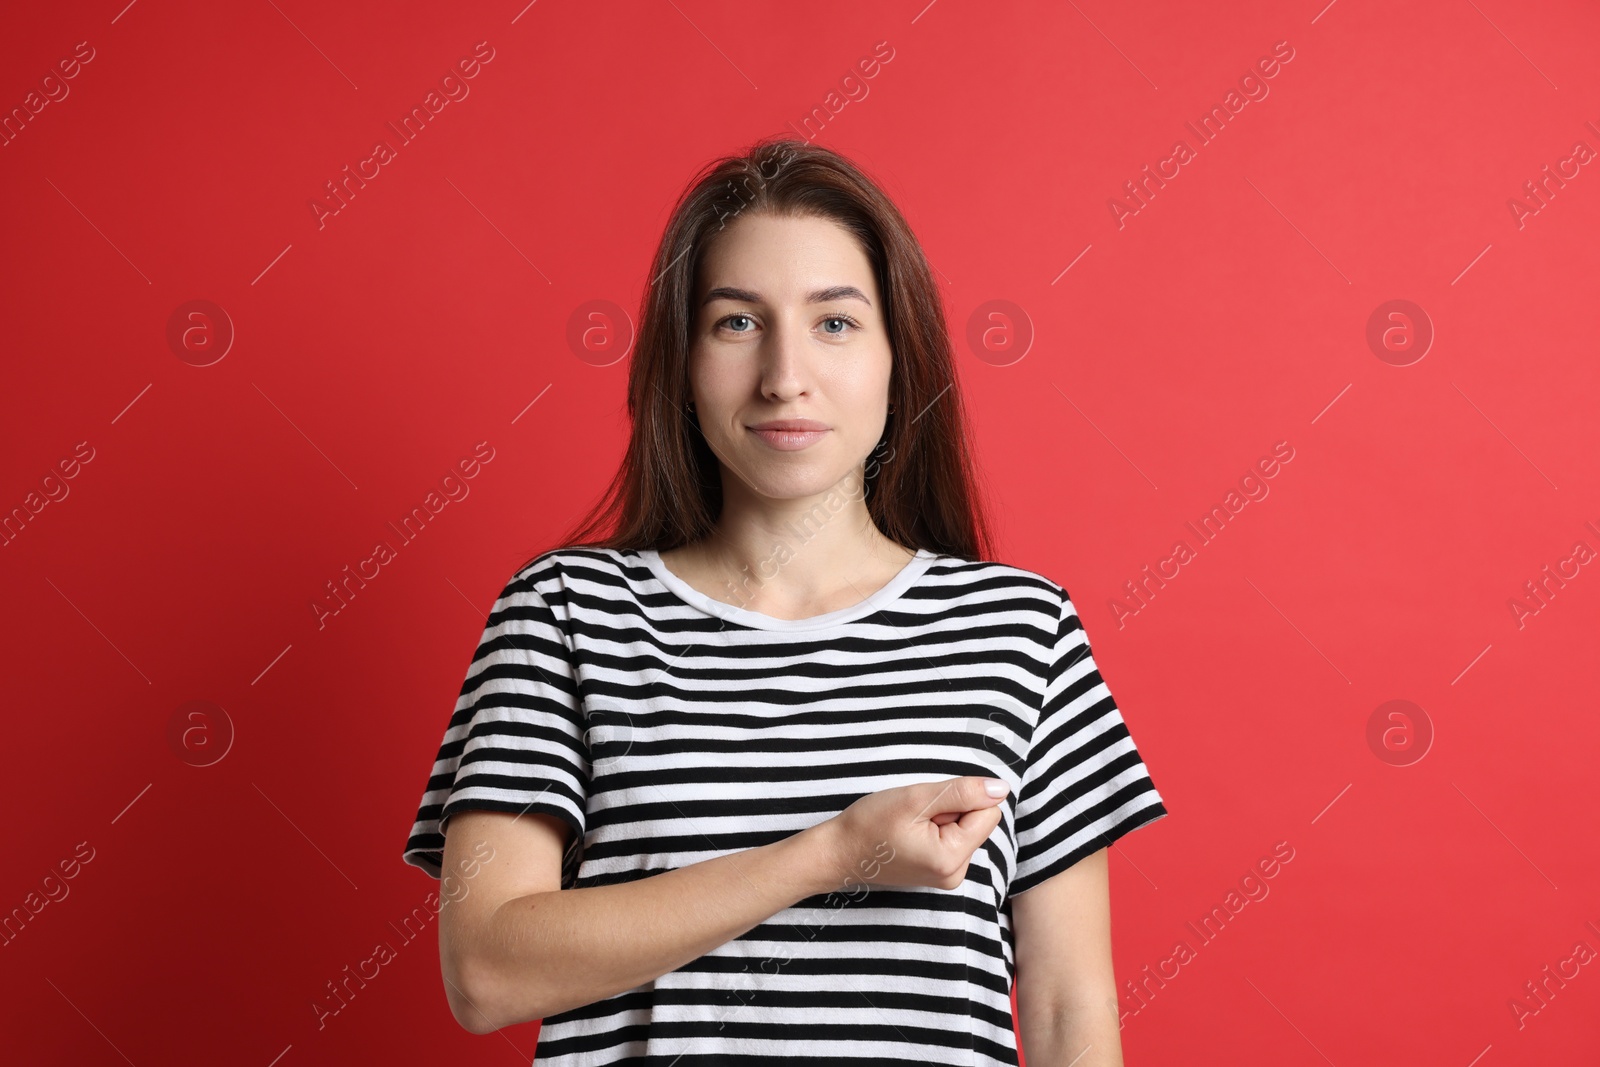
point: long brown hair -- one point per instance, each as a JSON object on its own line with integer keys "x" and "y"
{"x": 921, "y": 488}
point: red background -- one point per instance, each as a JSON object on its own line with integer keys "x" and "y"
{"x": 434, "y": 311}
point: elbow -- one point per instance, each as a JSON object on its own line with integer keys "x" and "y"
{"x": 472, "y": 995}
{"x": 486, "y": 991}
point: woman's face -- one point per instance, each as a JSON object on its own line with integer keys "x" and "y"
{"x": 788, "y": 325}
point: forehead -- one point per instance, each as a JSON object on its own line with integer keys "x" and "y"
{"x": 785, "y": 259}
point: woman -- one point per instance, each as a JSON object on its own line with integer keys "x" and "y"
{"x": 724, "y": 769}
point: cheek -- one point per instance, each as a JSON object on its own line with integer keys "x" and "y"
{"x": 857, "y": 373}
{"x": 860, "y": 396}
{"x": 718, "y": 377}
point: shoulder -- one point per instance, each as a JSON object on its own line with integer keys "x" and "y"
{"x": 555, "y": 574}
{"x": 998, "y": 575}
{"x": 549, "y": 601}
{"x": 1001, "y": 587}
{"x": 568, "y": 587}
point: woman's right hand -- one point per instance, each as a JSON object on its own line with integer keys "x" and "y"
{"x": 914, "y": 835}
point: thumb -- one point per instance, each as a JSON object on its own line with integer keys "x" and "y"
{"x": 981, "y": 792}
{"x": 948, "y": 800}
{"x": 974, "y": 827}
{"x": 960, "y": 798}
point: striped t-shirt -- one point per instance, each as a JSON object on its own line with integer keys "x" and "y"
{"x": 667, "y": 727}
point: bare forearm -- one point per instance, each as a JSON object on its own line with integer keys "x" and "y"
{"x": 1088, "y": 1035}
{"x": 547, "y": 952}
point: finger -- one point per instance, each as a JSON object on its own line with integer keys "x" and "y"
{"x": 943, "y": 799}
{"x": 957, "y": 795}
{"x": 977, "y": 825}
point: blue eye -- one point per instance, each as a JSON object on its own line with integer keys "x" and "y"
{"x": 850, "y": 322}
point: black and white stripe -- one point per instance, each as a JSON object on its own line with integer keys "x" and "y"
{"x": 667, "y": 727}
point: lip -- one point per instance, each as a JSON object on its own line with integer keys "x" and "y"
{"x": 790, "y": 424}
{"x": 787, "y": 440}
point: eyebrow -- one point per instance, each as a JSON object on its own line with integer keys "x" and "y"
{"x": 816, "y": 296}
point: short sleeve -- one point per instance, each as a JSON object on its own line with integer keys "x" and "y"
{"x": 515, "y": 741}
{"x": 1084, "y": 784}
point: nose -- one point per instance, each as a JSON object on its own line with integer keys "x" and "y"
{"x": 784, "y": 373}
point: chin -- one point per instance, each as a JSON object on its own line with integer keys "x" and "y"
{"x": 799, "y": 485}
